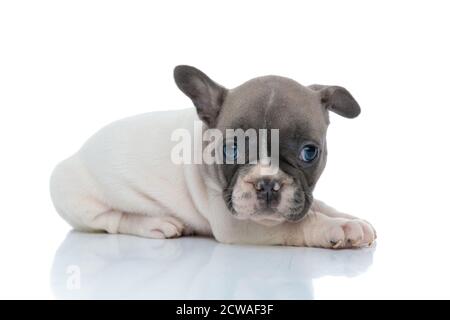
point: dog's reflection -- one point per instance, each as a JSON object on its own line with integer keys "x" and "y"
{"x": 116, "y": 266}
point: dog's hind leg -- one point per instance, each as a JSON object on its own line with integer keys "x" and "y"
{"x": 150, "y": 227}
{"x": 78, "y": 200}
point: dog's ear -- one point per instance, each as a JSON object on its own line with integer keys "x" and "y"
{"x": 338, "y": 100}
{"x": 206, "y": 95}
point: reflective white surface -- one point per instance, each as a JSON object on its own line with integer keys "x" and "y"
{"x": 85, "y": 266}
{"x": 117, "y": 266}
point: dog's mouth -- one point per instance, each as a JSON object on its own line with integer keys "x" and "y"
{"x": 280, "y": 199}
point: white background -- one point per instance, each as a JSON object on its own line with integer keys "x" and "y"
{"x": 69, "y": 67}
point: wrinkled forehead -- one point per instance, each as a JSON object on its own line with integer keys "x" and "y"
{"x": 275, "y": 103}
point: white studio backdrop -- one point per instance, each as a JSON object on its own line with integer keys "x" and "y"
{"x": 68, "y": 68}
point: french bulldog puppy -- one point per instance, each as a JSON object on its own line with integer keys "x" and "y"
{"x": 125, "y": 180}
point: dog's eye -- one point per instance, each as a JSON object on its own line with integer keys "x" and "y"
{"x": 230, "y": 152}
{"x": 309, "y": 153}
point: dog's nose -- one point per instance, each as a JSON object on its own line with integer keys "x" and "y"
{"x": 266, "y": 189}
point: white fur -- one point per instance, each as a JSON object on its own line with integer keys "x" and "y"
{"x": 123, "y": 181}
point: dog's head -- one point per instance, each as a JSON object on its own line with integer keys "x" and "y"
{"x": 254, "y": 190}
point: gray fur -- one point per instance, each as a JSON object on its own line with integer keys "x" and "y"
{"x": 271, "y": 102}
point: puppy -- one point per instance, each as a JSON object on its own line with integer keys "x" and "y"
{"x": 127, "y": 177}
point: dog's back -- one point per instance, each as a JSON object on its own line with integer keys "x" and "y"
{"x": 125, "y": 168}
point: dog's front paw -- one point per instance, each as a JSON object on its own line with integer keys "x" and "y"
{"x": 350, "y": 233}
